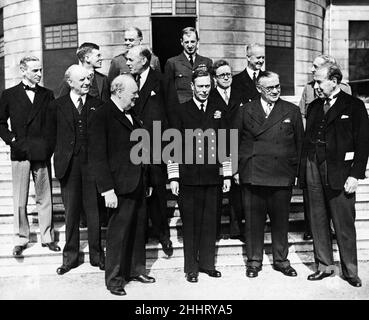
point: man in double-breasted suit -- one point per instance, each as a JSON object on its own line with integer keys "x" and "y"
{"x": 90, "y": 57}
{"x": 122, "y": 183}
{"x": 334, "y": 156}
{"x": 178, "y": 70}
{"x": 149, "y": 107}
{"x": 271, "y": 137}
{"x": 132, "y": 37}
{"x": 25, "y": 105}
{"x": 197, "y": 183}
{"x": 245, "y": 81}
{"x": 69, "y": 119}
{"x": 230, "y": 104}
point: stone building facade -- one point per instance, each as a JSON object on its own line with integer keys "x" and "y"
{"x": 293, "y": 32}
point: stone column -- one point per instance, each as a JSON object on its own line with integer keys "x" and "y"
{"x": 22, "y": 35}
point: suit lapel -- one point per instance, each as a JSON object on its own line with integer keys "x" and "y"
{"x": 99, "y": 82}
{"x": 37, "y": 103}
{"x": 145, "y": 93}
{"x": 22, "y": 97}
{"x": 336, "y": 109}
{"x": 255, "y": 111}
{"x": 183, "y": 59}
{"x": 275, "y": 116}
{"x": 67, "y": 110}
{"x": 119, "y": 115}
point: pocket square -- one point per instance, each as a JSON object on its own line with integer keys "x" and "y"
{"x": 92, "y": 109}
{"x": 217, "y": 114}
{"x": 153, "y": 93}
{"x": 344, "y": 116}
{"x": 287, "y": 120}
{"x": 349, "y": 156}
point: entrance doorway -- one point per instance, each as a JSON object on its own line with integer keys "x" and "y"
{"x": 166, "y": 32}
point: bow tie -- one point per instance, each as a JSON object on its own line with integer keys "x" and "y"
{"x": 128, "y": 111}
{"x": 26, "y": 87}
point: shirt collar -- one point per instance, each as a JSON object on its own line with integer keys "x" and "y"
{"x": 75, "y": 98}
{"x": 264, "y": 104}
{"x": 251, "y": 72}
{"x": 188, "y": 56}
{"x": 143, "y": 77}
{"x": 28, "y": 84}
{"x": 221, "y": 91}
{"x": 198, "y": 103}
{"x": 333, "y": 96}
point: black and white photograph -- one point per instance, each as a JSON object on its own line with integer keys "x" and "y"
{"x": 184, "y": 155}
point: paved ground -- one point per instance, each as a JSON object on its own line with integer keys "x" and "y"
{"x": 171, "y": 285}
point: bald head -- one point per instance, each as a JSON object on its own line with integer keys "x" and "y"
{"x": 78, "y": 78}
{"x": 124, "y": 91}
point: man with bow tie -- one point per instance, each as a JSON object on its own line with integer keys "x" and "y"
{"x": 25, "y": 105}
{"x": 271, "y": 138}
{"x": 333, "y": 158}
{"x": 123, "y": 185}
{"x": 68, "y": 123}
{"x": 149, "y": 107}
{"x": 230, "y": 103}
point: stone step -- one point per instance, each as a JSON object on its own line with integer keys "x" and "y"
{"x": 173, "y": 263}
{"x": 37, "y": 255}
{"x": 175, "y": 223}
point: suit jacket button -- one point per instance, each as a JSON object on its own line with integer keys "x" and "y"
{"x": 72, "y": 142}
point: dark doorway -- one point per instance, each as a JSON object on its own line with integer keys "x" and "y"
{"x": 279, "y": 41}
{"x": 166, "y": 32}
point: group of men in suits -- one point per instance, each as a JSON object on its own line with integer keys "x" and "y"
{"x": 88, "y": 130}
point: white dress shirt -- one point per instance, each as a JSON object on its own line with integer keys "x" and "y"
{"x": 198, "y": 104}
{"x": 222, "y": 94}
{"x": 75, "y": 97}
{"x": 268, "y": 107}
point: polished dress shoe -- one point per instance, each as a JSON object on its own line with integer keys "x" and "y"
{"x": 252, "y": 272}
{"x": 307, "y": 236}
{"x": 192, "y": 277}
{"x": 100, "y": 264}
{"x": 63, "y": 269}
{"x": 355, "y": 282}
{"x": 211, "y": 273}
{"x": 17, "y": 250}
{"x": 319, "y": 275}
{"x": 287, "y": 271}
{"x": 167, "y": 247}
{"x": 119, "y": 291}
{"x": 52, "y": 246}
{"x": 143, "y": 278}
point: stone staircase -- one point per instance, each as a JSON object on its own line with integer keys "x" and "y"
{"x": 37, "y": 260}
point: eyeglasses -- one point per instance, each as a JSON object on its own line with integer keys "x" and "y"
{"x": 271, "y": 88}
{"x": 223, "y": 75}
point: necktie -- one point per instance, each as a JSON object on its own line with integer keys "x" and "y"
{"x": 269, "y": 109}
{"x": 202, "y": 107}
{"x": 254, "y": 77}
{"x": 226, "y": 98}
{"x": 26, "y": 87}
{"x": 138, "y": 77}
{"x": 191, "y": 60}
{"x": 80, "y": 105}
{"x": 326, "y": 105}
